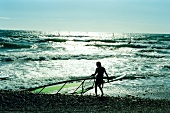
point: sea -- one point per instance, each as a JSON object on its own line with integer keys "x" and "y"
{"x": 34, "y": 58}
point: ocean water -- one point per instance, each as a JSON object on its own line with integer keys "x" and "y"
{"x": 36, "y": 58}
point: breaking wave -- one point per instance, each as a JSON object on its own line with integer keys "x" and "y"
{"x": 37, "y": 57}
{"x": 13, "y": 45}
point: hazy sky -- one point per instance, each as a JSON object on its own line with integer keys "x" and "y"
{"x": 151, "y": 16}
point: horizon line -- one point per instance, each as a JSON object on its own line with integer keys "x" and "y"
{"x": 83, "y": 31}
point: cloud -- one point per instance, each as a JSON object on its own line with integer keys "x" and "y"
{"x": 5, "y": 18}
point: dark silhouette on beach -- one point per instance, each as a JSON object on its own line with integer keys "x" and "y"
{"x": 99, "y": 77}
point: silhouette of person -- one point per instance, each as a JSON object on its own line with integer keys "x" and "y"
{"x": 99, "y": 77}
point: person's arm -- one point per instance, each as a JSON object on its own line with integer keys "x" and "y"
{"x": 94, "y": 73}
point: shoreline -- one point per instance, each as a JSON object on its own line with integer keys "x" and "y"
{"x": 19, "y": 102}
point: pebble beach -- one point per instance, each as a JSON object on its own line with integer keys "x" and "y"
{"x": 21, "y": 102}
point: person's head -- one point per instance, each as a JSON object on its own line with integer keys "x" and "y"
{"x": 98, "y": 64}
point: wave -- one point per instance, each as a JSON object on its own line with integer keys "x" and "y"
{"x": 164, "y": 39}
{"x": 166, "y": 66}
{"x": 132, "y": 46}
{"x": 149, "y": 55}
{"x": 2, "y": 39}
{"x": 161, "y": 47}
{"x": 147, "y": 50}
{"x": 13, "y": 45}
{"x": 53, "y": 40}
{"x": 119, "y": 46}
{"x": 146, "y": 75}
{"x": 95, "y": 40}
{"x": 154, "y": 50}
{"x": 36, "y": 57}
{"x": 75, "y": 40}
{"x": 153, "y": 36}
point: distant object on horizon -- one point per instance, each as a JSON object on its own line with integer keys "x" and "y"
{"x": 130, "y": 41}
{"x": 58, "y": 34}
{"x": 113, "y": 35}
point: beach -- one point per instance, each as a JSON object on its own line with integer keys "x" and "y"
{"x": 21, "y": 102}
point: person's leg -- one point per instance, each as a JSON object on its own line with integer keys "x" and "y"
{"x": 96, "y": 88}
{"x": 101, "y": 89}
{"x": 103, "y": 83}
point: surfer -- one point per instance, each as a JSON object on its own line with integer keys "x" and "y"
{"x": 99, "y": 77}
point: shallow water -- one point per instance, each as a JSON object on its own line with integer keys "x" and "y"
{"x": 144, "y": 88}
{"x": 34, "y": 58}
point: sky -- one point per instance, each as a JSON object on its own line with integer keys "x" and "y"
{"x": 119, "y": 16}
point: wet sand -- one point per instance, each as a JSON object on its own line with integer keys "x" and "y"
{"x": 17, "y": 102}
